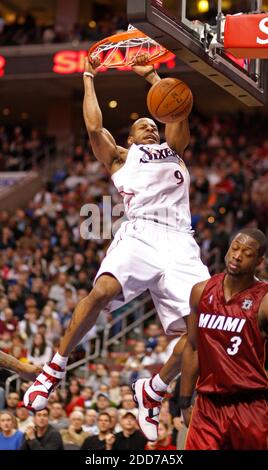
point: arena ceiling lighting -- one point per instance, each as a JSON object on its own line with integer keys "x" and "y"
{"x": 113, "y": 104}
{"x": 203, "y": 6}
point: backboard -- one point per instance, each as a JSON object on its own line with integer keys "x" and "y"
{"x": 200, "y": 45}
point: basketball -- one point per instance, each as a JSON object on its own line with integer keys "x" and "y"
{"x": 170, "y": 100}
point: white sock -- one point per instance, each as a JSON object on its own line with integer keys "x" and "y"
{"x": 158, "y": 385}
{"x": 60, "y": 360}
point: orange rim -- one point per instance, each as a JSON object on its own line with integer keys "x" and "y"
{"x": 160, "y": 56}
{"x": 124, "y": 36}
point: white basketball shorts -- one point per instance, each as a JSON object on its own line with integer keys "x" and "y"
{"x": 144, "y": 255}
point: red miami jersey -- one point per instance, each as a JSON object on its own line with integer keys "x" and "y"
{"x": 231, "y": 348}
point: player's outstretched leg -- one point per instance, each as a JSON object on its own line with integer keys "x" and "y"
{"x": 84, "y": 317}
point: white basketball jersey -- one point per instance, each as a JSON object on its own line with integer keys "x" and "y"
{"x": 154, "y": 183}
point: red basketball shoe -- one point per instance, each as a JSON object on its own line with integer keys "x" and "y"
{"x": 149, "y": 404}
{"x": 37, "y": 395}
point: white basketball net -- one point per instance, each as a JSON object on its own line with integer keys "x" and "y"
{"x": 123, "y": 53}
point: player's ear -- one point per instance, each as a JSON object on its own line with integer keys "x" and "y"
{"x": 130, "y": 140}
{"x": 260, "y": 261}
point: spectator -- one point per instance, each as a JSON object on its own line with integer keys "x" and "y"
{"x": 128, "y": 404}
{"x": 102, "y": 403}
{"x": 74, "y": 396}
{"x": 29, "y": 326}
{"x": 10, "y": 437}
{"x": 23, "y": 416}
{"x": 6, "y": 341}
{"x": 164, "y": 439}
{"x": 152, "y": 332}
{"x": 90, "y": 425}
{"x": 48, "y": 36}
{"x": 18, "y": 349}
{"x": 114, "y": 414}
{"x": 134, "y": 372}
{"x": 98, "y": 442}
{"x": 40, "y": 352}
{"x": 99, "y": 377}
{"x": 125, "y": 390}
{"x": 104, "y": 389}
{"x": 51, "y": 319}
{"x": 87, "y": 393}
{"x": 139, "y": 355}
{"x": 42, "y": 436}
{"x": 7, "y": 239}
{"x": 12, "y": 402}
{"x": 160, "y": 354}
{"x": 75, "y": 434}
{"x": 58, "y": 291}
{"x": 129, "y": 438}
{"x": 114, "y": 386}
{"x": 165, "y": 415}
{"x": 56, "y": 396}
{"x": 8, "y": 322}
{"x": 109, "y": 441}
{"x": 57, "y": 416}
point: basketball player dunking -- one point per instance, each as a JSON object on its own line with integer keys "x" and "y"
{"x": 154, "y": 249}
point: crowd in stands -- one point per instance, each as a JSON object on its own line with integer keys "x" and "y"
{"x": 22, "y": 148}
{"x": 46, "y": 267}
{"x": 90, "y": 414}
{"x": 25, "y": 29}
{"x": 106, "y": 20}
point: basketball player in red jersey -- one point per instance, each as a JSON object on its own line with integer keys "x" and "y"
{"x": 227, "y": 332}
{"x": 26, "y": 371}
{"x": 154, "y": 249}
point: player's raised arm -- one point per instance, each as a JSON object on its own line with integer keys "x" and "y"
{"x": 102, "y": 142}
{"x": 144, "y": 70}
{"x": 177, "y": 134}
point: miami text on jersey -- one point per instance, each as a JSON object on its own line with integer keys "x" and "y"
{"x": 219, "y": 322}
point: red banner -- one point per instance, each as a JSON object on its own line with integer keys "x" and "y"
{"x": 247, "y": 35}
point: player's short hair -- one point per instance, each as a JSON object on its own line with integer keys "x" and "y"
{"x": 131, "y": 130}
{"x": 257, "y": 235}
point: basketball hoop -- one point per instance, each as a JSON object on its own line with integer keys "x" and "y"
{"x": 121, "y": 49}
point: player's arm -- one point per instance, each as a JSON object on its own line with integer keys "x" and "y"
{"x": 263, "y": 316}
{"x": 177, "y": 134}
{"x": 102, "y": 142}
{"x": 26, "y": 371}
{"x": 144, "y": 70}
{"x": 189, "y": 369}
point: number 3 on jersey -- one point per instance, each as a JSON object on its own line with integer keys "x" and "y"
{"x": 236, "y": 341}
